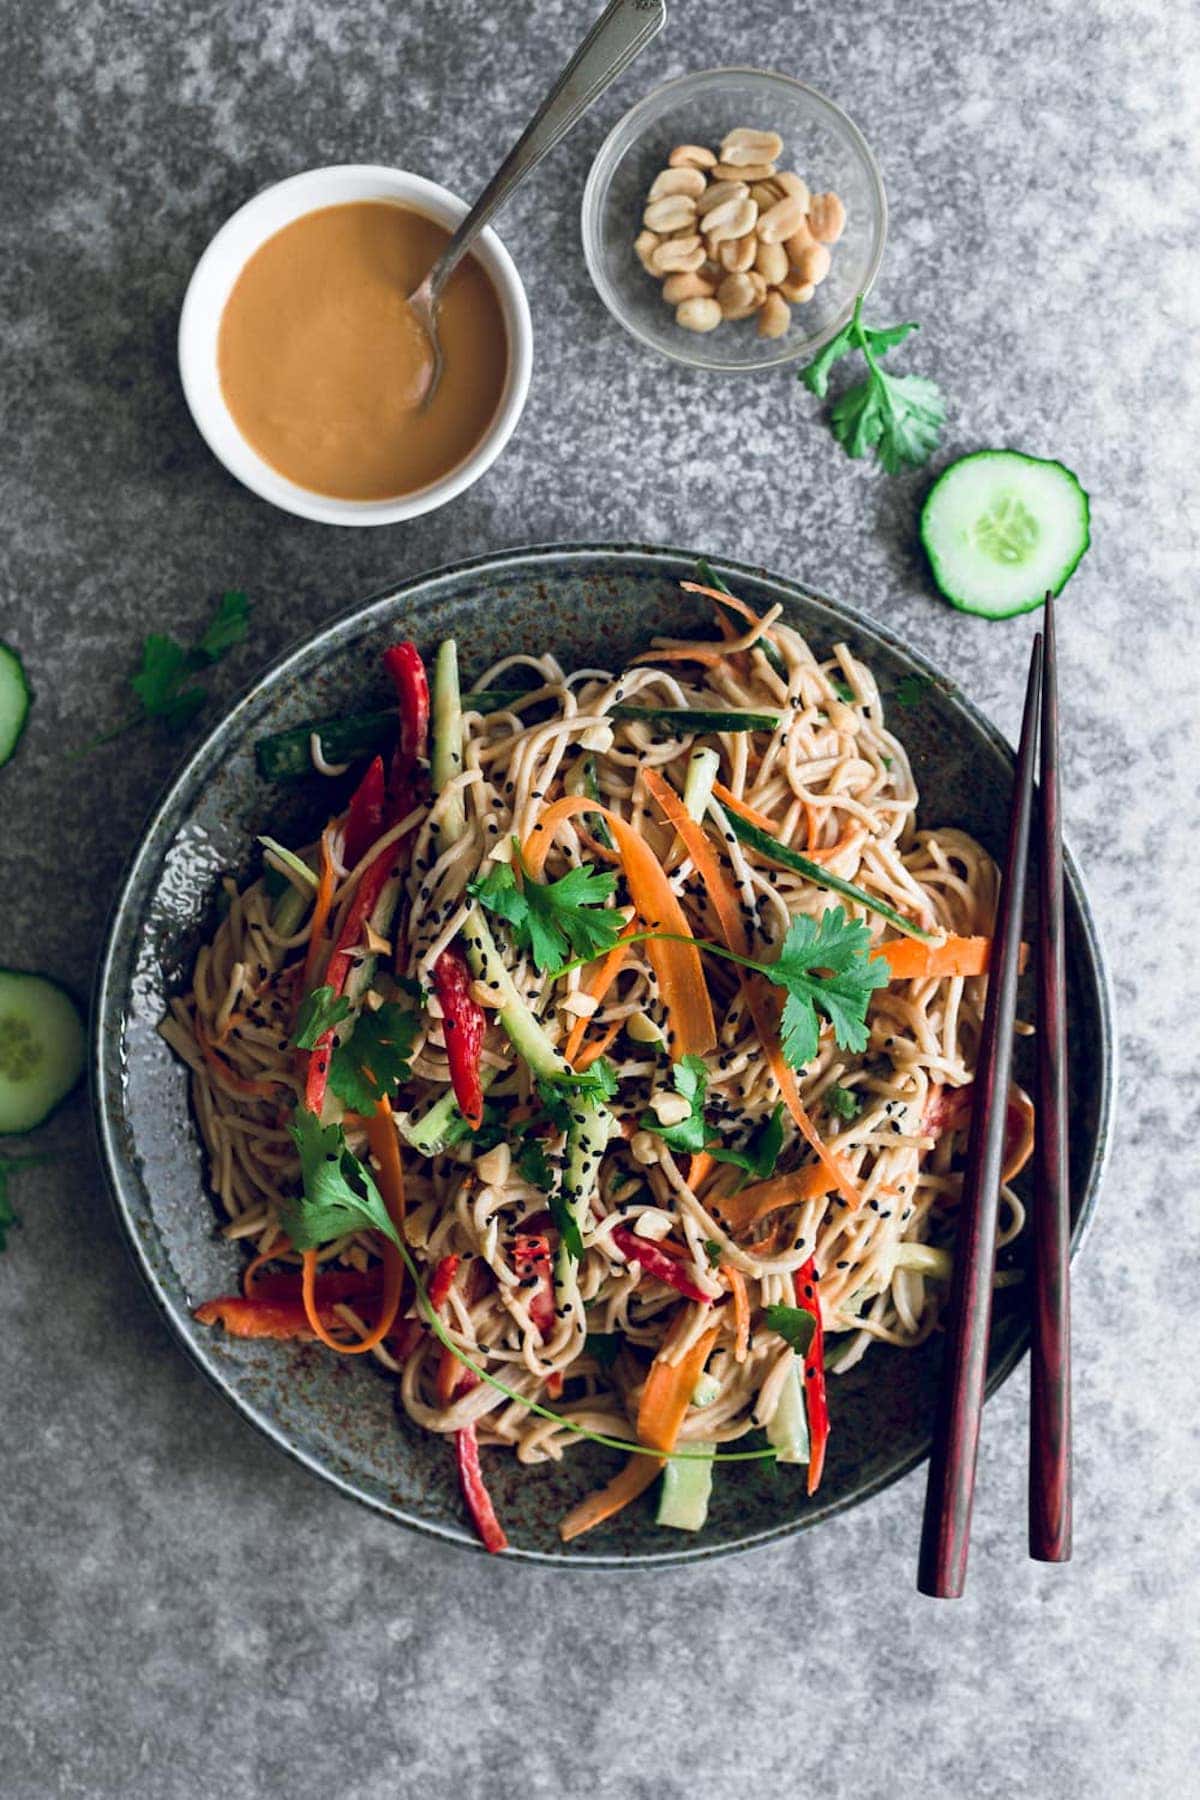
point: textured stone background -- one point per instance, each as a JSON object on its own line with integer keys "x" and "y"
{"x": 183, "y": 1613}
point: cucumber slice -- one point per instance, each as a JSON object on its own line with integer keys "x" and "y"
{"x": 686, "y": 1488}
{"x": 42, "y": 1046}
{"x": 787, "y": 1429}
{"x": 1000, "y": 528}
{"x": 15, "y": 697}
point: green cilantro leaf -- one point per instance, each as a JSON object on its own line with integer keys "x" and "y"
{"x": 898, "y": 416}
{"x": 490, "y": 1133}
{"x": 826, "y": 967}
{"x": 761, "y": 1153}
{"x": 533, "y": 1167}
{"x": 227, "y": 627}
{"x": 843, "y": 1102}
{"x": 562, "y": 1094}
{"x": 844, "y": 691}
{"x": 690, "y": 1078}
{"x": 373, "y": 1060}
{"x": 567, "y": 1226}
{"x": 603, "y": 1346}
{"x": 319, "y": 1012}
{"x": 555, "y": 920}
{"x": 163, "y": 683}
{"x": 795, "y": 1326}
{"x": 713, "y": 1251}
{"x": 912, "y": 689}
{"x": 339, "y": 1194}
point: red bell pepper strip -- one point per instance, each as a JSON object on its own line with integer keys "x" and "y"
{"x": 479, "y": 1503}
{"x": 441, "y": 1281}
{"x": 403, "y": 663}
{"x": 805, "y": 1282}
{"x": 531, "y": 1258}
{"x": 364, "y": 820}
{"x": 282, "y": 1319}
{"x": 656, "y": 1262}
{"x": 464, "y": 1024}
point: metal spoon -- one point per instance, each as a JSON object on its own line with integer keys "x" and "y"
{"x": 623, "y": 29}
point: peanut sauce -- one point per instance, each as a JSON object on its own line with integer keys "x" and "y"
{"x": 324, "y": 366}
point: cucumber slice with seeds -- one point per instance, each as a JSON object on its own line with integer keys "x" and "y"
{"x": 14, "y": 701}
{"x": 41, "y": 1049}
{"x": 1000, "y": 528}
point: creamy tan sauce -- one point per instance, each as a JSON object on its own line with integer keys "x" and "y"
{"x": 324, "y": 366}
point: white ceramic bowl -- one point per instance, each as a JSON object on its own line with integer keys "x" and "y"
{"x": 213, "y": 280}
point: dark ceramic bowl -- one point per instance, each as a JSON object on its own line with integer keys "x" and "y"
{"x": 592, "y": 605}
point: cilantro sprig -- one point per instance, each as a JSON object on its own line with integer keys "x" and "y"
{"x": 552, "y": 920}
{"x": 339, "y": 1192}
{"x": 374, "y": 1059}
{"x": 843, "y": 1102}
{"x": 795, "y": 1326}
{"x": 164, "y": 684}
{"x": 561, "y": 1094}
{"x": 900, "y": 417}
{"x": 694, "y": 1134}
{"x": 319, "y": 1012}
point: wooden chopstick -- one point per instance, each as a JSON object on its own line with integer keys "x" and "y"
{"x": 946, "y": 1528}
{"x": 1050, "y": 1389}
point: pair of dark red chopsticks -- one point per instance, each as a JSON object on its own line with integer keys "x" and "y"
{"x": 946, "y": 1530}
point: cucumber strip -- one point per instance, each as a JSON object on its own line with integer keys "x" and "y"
{"x": 787, "y": 1429}
{"x": 766, "y": 845}
{"x": 1001, "y": 529}
{"x": 686, "y": 1489}
{"x": 42, "y": 1048}
{"x": 429, "y": 1133}
{"x": 447, "y": 760}
{"x": 15, "y": 700}
{"x": 295, "y": 865}
{"x": 697, "y": 788}
{"x": 286, "y": 755}
{"x": 582, "y": 779}
{"x": 696, "y": 718}
{"x": 290, "y": 909}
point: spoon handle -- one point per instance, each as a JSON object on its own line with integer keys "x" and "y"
{"x": 623, "y": 29}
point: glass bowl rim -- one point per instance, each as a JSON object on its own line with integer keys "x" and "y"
{"x": 604, "y": 164}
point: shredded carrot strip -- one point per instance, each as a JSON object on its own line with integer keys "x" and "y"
{"x": 735, "y": 1281}
{"x": 813, "y": 821}
{"x": 730, "y": 799}
{"x": 381, "y": 1134}
{"x": 737, "y": 1212}
{"x": 633, "y": 1480}
{"x": 596, "y": 1048}
{"x": 699, "y": 1169}
{"x": 668, "y": 1393}
{"x": 910, "y": 960}
{"x": 250, "y": 1272}
{"x": 597, "y": 987}
{"x": 700, "y": 849}
{"x": 321, "y": 907}
{"x": 680, "y": 973}
{"x": 729, "y": 600}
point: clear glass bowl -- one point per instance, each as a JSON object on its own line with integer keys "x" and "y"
{"x": 823, "y": 146}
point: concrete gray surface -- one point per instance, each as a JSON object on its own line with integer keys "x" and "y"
{"x": 181, "y": 1612}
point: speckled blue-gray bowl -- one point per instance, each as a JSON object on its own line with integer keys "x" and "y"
{"x": 593, "y": 605}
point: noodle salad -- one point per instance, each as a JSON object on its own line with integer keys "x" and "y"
{"x": 603, "y": 1070}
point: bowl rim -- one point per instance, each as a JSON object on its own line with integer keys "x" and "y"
{"x": 269, "y": 211}
{"x": 693, "y": 357}
{"x": 108, "y": 1013}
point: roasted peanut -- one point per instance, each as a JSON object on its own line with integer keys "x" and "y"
{"x": 677, "y": 181}
{"x": 732, "y": 219}
{"x": 688, "y": 285}
{"x": 772, "y": 263}
{"x": 679, "y": 255}
{"x": 774, "y": 316}
{"x": 691, "y": 156}
{"x": 670, "y": 214}
{"x": 718, "y": 193}
{"x": 801, "y": 240}
{"x": 746, "y": 145}
{"x": 814, "y": 264}
{"x": 746, "y": 172}
{"x": 826, "y": 218}
{"x": 795, "y": 290}
{"x": 737, "y": 297}
{"x": 700, "y": 314}
{"x": 737, "y": 254}
{"x": 644, "y": 246}
{"x": 790, "y": 183}
{"x": 765, "y": 194}
{"x": 779, "y": 223}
